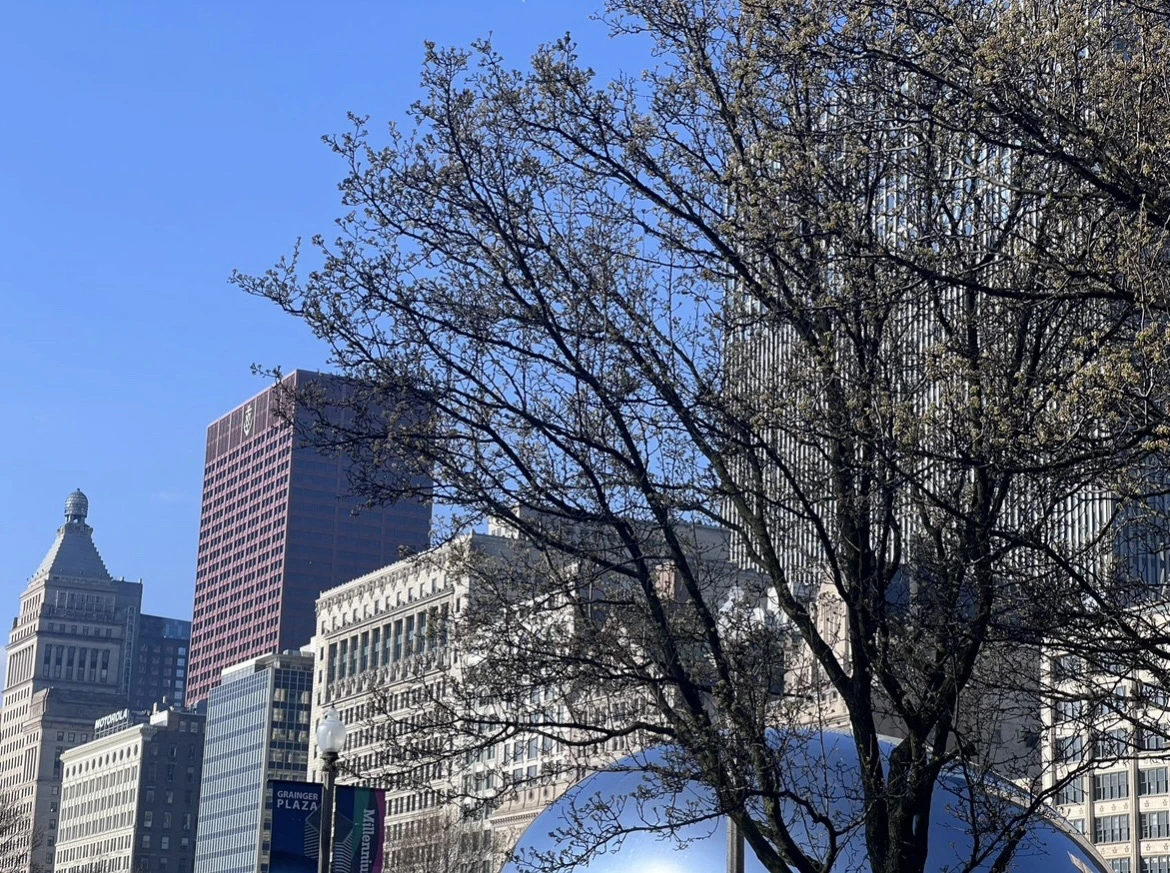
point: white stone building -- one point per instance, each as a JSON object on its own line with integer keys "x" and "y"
{"x": 1106, "y": 751}
{"x": 383, "y": 657}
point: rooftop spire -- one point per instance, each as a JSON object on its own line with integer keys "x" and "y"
{"x": 73, "y": 553}
{"x": 76, "y": 508}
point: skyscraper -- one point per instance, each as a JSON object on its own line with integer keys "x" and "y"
{"x": 69, "y": 657}
{"x": 257, "y": 730}
{"x": 160, "y": 662}
{"x": 278, "y": 527}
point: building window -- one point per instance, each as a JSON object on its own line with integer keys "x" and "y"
{"x": 1120, "y": 865}
{"x": 148, "y": 818}
{"x": 1151, "y": 740}
{"x": 1111, "y": 786}
{"x": 1111, "y": 829}
{"x": 1153, "y": 781}
{"x": 1155, "y": 825}
{"x": 146, "y": 841}
{"x": 1156, "y": 864}
{"x": 1111, "y": 744}
{"x": 1071, "y": 792}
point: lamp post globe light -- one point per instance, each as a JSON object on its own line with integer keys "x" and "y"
{"x": 330, "y": 740}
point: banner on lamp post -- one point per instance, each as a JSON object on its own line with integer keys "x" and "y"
{"x": 296, "y": 827}
{"x": 359, "y": 830}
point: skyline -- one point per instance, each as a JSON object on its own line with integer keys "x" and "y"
{"x": 149, "y": 153}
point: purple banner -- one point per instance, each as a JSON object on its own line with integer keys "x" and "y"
{"x": 359, "y": 830}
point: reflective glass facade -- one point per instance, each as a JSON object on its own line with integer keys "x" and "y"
{"x": 278, "y": 528}
{"x": 257, "y": 730}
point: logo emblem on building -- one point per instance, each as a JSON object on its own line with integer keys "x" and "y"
{"x": 248, "y": 420}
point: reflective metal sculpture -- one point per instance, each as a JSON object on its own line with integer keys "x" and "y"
{"x": 628, "y": 819}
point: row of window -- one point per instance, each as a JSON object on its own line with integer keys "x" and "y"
{"x": 389, "y": 644}
{"x": 1150, "y": 864}
{"x": 1116, "y": 828}
{"x": 1110, "y": 745}
{"x": 1115, "y": 786}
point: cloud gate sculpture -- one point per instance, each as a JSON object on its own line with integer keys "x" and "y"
{"x": 627, "y": 820}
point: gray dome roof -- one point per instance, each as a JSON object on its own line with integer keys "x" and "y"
{"x": 73, "y": 553}
{"x": 624, "y": 819}
{"x": 76, "y": 506}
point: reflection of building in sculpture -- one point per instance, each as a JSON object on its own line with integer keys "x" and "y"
{"x": 129, "y": 799}
{"x": 1106, "y": 750}
{"x": 257, "y": 731}
{"x": 816, "y": 773}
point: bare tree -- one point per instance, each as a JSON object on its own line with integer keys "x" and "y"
{"x": 442, "y": 842}
{"x": 879, "y": 289}
{"x": 20, "y": 838}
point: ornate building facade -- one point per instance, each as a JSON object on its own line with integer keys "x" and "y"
{"x": 73, "y": 657}
{"x": 70, "y": 657}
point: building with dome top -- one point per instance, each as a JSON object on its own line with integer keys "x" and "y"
{"x": 74, "y": 655}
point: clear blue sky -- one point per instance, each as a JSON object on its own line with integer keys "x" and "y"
{"x": 146, "y": 150}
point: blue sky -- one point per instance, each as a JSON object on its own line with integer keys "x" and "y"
{"x": 146, "y": 150}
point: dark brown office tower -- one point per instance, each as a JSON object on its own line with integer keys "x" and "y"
{"x": 277, "y": 529}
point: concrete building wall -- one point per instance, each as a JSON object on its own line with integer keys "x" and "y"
{"x": 1106, "y": 752}
{"x": 383, "y": 657}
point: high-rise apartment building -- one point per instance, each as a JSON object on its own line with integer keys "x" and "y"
{"x": 129, "y": 799}
{"x": 257, "y": 731}
{"x": 278, "y": 527}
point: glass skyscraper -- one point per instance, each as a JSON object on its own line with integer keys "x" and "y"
{"x": 257, "y": 730}
{"x": 278, "y": 527}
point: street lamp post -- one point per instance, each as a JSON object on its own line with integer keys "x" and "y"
{"x": 330, "y": 740}
{"x": 734, "y": 847}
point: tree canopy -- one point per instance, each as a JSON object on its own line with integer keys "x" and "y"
{"x": 877, "y": 288}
